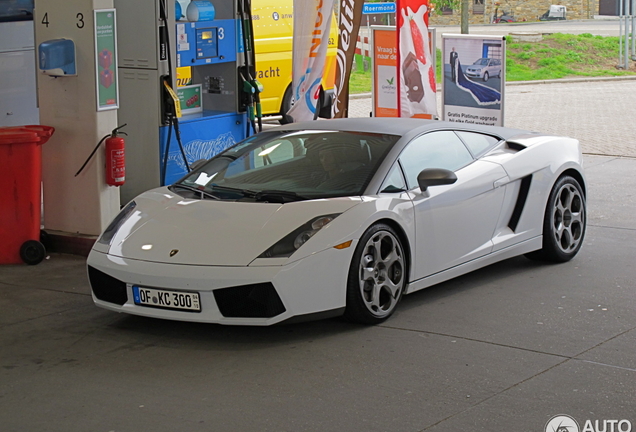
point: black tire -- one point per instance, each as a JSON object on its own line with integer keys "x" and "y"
{"x": 485, "y": 76}
{"x": 564, "y": 222}
{"x": 325, "y": 105}
{"x": 32, "y": 252}
{"x": 377, "y": 276}
{"x": 288, "y": 102}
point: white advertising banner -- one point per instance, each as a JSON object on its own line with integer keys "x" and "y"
{"x": 474, "y": 76}
{"x": 312, "y": 21}
{"x": 417, "y": 86}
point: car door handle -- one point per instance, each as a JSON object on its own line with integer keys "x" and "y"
{"x": 501, "y": 182}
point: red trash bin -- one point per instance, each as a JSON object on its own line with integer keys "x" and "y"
{"x": 20, "y": 196}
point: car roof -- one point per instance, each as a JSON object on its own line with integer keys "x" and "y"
{"x": 404, "y": 127}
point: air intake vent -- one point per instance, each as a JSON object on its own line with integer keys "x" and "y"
{"x": 515, "y": 146}
{"x": 524, "y": 188}
{"x": 249, "y": 301}
{"x": 107, "y": 288}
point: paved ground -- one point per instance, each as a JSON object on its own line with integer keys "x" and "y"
{"x": 600, "y": 113}
{"x": 502, "y": 349}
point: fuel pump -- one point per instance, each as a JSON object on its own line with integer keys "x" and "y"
{"x": 214, "y": 106}
{"x": 170, "y": 127}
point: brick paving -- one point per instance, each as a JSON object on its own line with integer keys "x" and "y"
{"x": 599, "y": 113}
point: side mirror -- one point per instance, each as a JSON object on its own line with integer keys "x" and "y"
{"x": 435, "y": 177}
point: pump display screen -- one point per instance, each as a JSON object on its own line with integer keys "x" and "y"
{"x": 207, "y": 43}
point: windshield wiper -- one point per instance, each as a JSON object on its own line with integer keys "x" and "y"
{"x": 228, "y": 156}
{"x": 197, "y": 190}
{"x": 244, "y": 192}
{"x": 278, "y": 196}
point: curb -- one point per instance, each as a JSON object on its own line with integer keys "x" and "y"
{"x": 573, "y": 80}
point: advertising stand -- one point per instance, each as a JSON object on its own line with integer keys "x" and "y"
{"x": 474, "y": 76}
{"x": 385, "y": 74}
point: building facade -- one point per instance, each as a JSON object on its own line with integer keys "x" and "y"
{"x": 484, "y": 11}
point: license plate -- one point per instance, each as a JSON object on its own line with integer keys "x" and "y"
{"x": 178, "y": 300}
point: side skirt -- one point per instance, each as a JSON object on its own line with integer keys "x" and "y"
{"x": 500, "y": 255}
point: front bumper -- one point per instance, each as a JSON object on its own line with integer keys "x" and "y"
{"x": 309, "y": 286}
{"x": 474, "y": 74}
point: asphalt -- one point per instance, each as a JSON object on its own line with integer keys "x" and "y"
{"x": 504, "y": 348}
{"x": 599, "y": 112}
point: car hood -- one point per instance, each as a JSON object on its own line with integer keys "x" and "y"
{"x": 166, "y": 227}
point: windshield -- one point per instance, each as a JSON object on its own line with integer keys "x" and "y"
{"x": 482, "y": 62}
{"x": 284, "y": 166}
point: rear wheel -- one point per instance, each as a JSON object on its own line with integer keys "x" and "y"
{"x": 377, "y": 276}
{"x": 288, "y": 102}
{"x": 564, "y": 222}
{"x": 32, "y": 252}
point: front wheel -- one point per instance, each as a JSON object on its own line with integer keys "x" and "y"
{"x": 486, "y": 76}
{"x": 564, "y": 222}
{"x": 377, "y": 276}
{"x": 288, "y": 102}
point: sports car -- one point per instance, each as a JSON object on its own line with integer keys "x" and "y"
{"x": 339, "y": 217}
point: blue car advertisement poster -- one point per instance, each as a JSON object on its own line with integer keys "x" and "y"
{"x": 473, "y": 80}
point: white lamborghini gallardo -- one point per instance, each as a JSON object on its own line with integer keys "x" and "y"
{"x": 335, "y": 217}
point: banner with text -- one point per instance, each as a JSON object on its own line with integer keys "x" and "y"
{"x": 107, "y": 86}
{"x": 417, "y": 89}
{"x": 474, "y": 76}
{"x": 310, "y": 43}
{"x": 348, "y": 28}
{"x": 384, "y": 91}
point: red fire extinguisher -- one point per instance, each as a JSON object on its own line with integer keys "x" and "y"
{"x": 115, "y": 157}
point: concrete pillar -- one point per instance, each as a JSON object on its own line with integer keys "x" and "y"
{"x": 83, "y": 204}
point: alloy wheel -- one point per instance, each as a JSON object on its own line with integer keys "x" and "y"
{"x": 568, "y": 218}
{"x": 381, "y": 273}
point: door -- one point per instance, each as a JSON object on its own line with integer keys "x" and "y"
{"x": 453, "y": 223}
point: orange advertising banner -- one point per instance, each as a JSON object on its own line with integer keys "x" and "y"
{"x": 385, "y": 74}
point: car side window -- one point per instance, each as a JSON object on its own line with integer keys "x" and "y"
{"x": 441, "y": 149}
{"x": 478, "y": 143}
{"x": 394, "y": 181}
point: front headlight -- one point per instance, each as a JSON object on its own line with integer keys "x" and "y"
{"x": 295, "y": 239}
{"x": 111, "y": 230}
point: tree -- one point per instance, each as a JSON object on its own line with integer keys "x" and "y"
{"x": 463, "y": 5}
